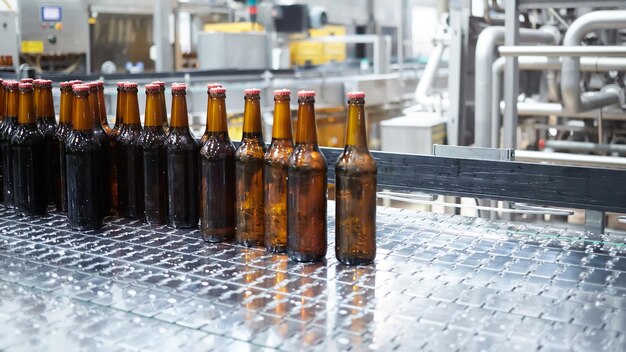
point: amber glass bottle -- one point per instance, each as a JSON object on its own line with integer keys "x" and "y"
{"x": 306, "y": 188}
{"x": 61, "y": 134}
{"x": 275, "y": 174}
{"x": 249, "y": 208}
{"x": 217, "y": 157}
{"x": 206, "y": 134}
{"x": 152, "y": 142}
{"x": 129, "y": 160}
{"x": 2, "y": 112}
{"x": 36, "y": 97}
{"x": 120, "y": 109}
{"x": 103, "y": 138}
{"x": 102, "y": 109}
{"x": 355, "y": 174}
{"x": 9, "y": 125}
{"x": 29, "y": 160}
{"x": 47, "y": 123}
{"x": 181, "y": 149}
{"x": 164, "y": 123}
{"x": 84, "y": 165}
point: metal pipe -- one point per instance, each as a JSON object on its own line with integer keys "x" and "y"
{"x": 570, "y": 159}
{"x": 574, "y": 146}
{"x": 562, "y": 51}
{"x": 570, "y": 70}
{"x": 547, "y": 109}
{"x": 539, "y": 63}
{"x": 488, "y": 40}
{"x": 428, "y": 77}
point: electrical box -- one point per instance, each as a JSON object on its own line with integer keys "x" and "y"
{"x": 241, "y": 51}
{"x": 8, "y": 44}
{"x": 415, "y": 133}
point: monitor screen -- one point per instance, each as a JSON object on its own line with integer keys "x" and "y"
{"x": 51, "y": 13}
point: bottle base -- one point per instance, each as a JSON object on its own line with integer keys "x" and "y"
{"x": 305, "y": 257}
{"x": 216, "y": 238}
{"x": 85, "y": 227}
{"x": 182, "y": 226}
{"x": 277, "y": 249}
{"x": 355, "y": 260}
{"x": 249, "y": 243}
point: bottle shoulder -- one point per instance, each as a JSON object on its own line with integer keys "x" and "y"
{"x": 180, "y": 139}
{"x": 129, "y": 135}
{"x": 46, "y": 126}
{"x": 62, "y": 132}
{"x": 356, "y": 160}
{"x": 81, "y": 141}
{"x": 26, "y": 135}
{"x": 250, "y": 148}
{"x": 307, "y": 156}
{"x": 152, "y": 137}
{"x": 279, "y": 153}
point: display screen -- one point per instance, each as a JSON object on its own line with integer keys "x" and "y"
{"x": 51, "y": 14}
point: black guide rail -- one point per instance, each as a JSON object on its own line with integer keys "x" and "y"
{"x": 542, "y": 184}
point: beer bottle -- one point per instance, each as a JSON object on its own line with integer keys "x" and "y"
{"x": 181, "y": 150}
{"x": 217, "y": 156}
{"x": 61, "y": 134}
{"x": 161, "y": 85}
{"x": 9, "y": 125}
{"x": 113, "y": 145}
{"x": 84, "y": 165}
{"x": 28, "y": 155}
{"x": 249, "y": 209}
{"x": 103, "y": 138}
{"x": 47, "y": 123}
{"x": 129, "y": 160}
{"x": 152, "y": 140}
{"x": 275, "y": 174}
{"x": 102, "y": 109}
{"x": 306, "y": 188}
{"x": 2, "y": 112}
{"x": 206, "y": 134}
{"x": 355, "y": 174}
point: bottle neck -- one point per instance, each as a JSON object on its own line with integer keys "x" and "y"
{"x": 356, "y": 134}
{"x": 179, "y": 111}
{"x": 46, "y": 105}
{"x": 163, "y": 106}
{"x": 102, "y": 111}
{"x": 12, "y": 108}
{"x": 2, "y": 102}
{"x": 82, "y": 117}
{"x": 153, "y": 110}
{"x": 306, "y": 130}
{"x": 37, "y": 101}
{"x": 281, "y": 128}
{"x": 65, "y": 115}
{"x": 26, "y": 114}
{"x": 218, "y": 120}
{"x": 131, "y": 116}
{"x": 121, "y": 106}
{"x": 93, "y": 107}
{"x": 252, "y": 117}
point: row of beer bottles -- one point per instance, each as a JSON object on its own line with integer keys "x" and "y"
{"x": 254, "y": 195}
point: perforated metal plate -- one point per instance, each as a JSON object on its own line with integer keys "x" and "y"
{"x": 440, "y": 283}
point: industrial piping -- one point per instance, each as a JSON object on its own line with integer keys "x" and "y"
{"x": 486, "y": 45}
{"x": 570, "y": 69}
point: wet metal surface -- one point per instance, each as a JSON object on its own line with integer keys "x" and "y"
{"x": 440, "y": 282}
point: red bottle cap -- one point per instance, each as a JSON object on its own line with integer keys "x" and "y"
{"x": 130, "y": 85}
{"x": 26, "y": 80}
{"x": 356, "y": 95}
{"x": 213, "y": 85}
{"x": 120, "y": 84}
{"x": 159, "y": 83}
{"x": 25, "y": 85}
{"x": 36, "y": 82}
{"x": 13, "y": 84}
{"x": 80, "y": 88}
{"x": 179, "y": 87}
{"x": 45, "y": 83}
{"x": 92, "y": 85}
{"x": 67, "y": 84}
{"x": 282, "y": 92}
{"x": 252, "y": 91}
{"x": 217, "y": 90}
{"x": 152, "y": 86}
{"x": 306, "y": 93}
{"x": 100, "y": 84}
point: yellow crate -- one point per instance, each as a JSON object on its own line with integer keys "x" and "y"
{"x": 316, "y": 53}
{"x": 234, "y": 27}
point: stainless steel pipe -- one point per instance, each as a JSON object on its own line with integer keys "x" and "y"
{"x": 574, "y": 146}
{"x": 562, "y": 51}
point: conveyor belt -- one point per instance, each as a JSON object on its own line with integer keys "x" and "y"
{"x": 440, "y": 283}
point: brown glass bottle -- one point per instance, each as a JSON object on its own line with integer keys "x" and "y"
{"x": 249, "y": 208}
{"x": 47, "y": 123}
{"x": 275, "y": 174}
{"x": 113, "y": 145}
{"x": 206, "y": 134}
{"x": 2, "y": 112}
{"x": 306, "y": 188}
{"x": 152, "y": 140}
{"x": 9, "y": 125}
{"x": 102, "y": 109}
{"x": 84, "y": 165}
{"x": 29, "y": 160}
{"x": 103, "y": 138}
{"x": 181, "y": 150}
{"x": 129, "y": 160}
{"x": 164, "y": 123}
{"x": 217, "y": 180}
{"x": 59, "y": 172}
{"x": 355, "y": 174}
{"x": 36, "y": 97}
